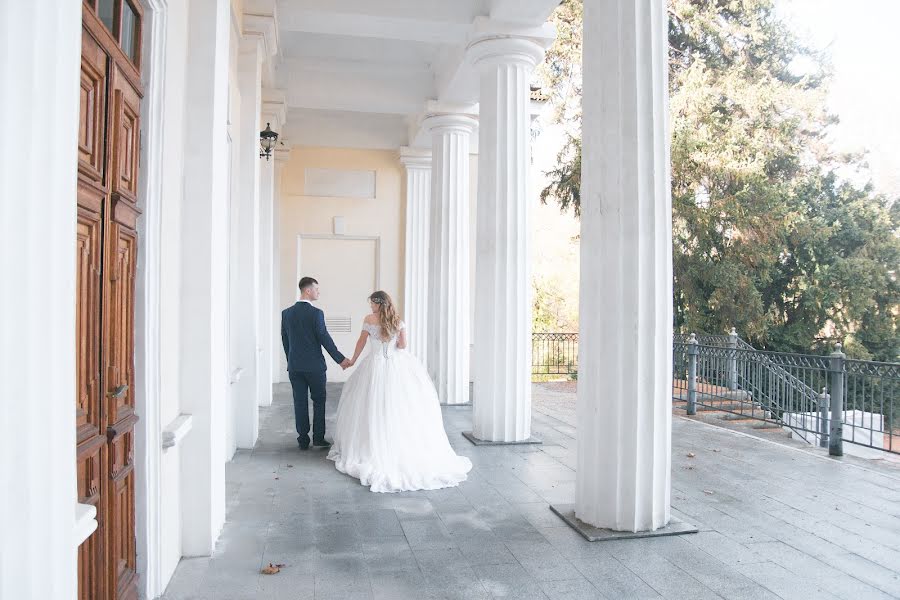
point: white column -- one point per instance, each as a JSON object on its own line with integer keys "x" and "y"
{"x": 625, "y": 334}
{"x": 247, "y": 301}
{"x": 269, "y": 342}
{"x": 502, "y": 382}
{"x": 279, "y": 361}
{"x": 204, "y": 376}
{"x": 39, "y": 100}
{"x": 267, "y": 274}
{"x": 448, "y": 281}
{"x": 418, "y": 198}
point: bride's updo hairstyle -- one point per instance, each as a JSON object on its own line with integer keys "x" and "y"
{"x": 390, "y": 320}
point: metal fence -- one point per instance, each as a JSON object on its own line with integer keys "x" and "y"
{"x": 554, "y": 354}
{"x": 825, "y": 400}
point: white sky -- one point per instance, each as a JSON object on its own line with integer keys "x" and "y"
{"x": 862, "y": 39}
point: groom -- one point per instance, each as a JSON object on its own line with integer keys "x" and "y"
{"x": 303, "y": 335}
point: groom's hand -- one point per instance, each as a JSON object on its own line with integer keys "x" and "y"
{"x": 345, "y": 364}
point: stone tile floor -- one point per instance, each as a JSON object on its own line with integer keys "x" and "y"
{"x": 775, "y": 522}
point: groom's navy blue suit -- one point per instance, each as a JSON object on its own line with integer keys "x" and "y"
{"x": 303, "y": 334}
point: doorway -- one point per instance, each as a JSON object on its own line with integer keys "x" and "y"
{"x": 348, "y": 270}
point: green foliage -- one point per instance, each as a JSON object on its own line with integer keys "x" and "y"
{"x": 766, "y": 237}
{"x": 552, "y": 311}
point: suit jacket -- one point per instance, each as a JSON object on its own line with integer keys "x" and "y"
{"x": 303, "y": 335}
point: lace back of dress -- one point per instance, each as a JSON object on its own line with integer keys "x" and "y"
{"x": 376, "y": 338}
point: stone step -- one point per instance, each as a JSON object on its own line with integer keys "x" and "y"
{"x": 747, "y": 415}
{"x": 766, "y": 426}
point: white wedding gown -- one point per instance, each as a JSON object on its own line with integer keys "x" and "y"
{"x": 389, "y": 432}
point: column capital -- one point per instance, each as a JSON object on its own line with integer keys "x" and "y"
{"x": 449, "y": 123}
{"x": 415, "y": 158}
{"x": 504, "y": 50}
{"x": 263, "y": 28}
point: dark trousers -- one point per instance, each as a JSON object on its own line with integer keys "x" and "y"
{"x": 305, "y": 386}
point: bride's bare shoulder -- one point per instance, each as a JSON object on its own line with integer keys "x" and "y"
{"x": 371, "y": 320}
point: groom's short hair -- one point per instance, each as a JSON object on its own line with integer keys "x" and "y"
{"x": 307, "y": 282}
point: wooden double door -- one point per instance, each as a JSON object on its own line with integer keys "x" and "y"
{"x": 107, "y": 244}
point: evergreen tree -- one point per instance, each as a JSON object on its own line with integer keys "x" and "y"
{"x": 766, "y": 237}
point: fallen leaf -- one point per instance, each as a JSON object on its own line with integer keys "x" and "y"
{"x": 271, "y": 569}
{"x": 292, "y": 466}
{"x": 278, "y": 478}
{"x": 690, "y": 455}
{"x": 708, "y": 492}
{"x": 716, "y": 450}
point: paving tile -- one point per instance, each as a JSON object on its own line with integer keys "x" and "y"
{"x": 428, "y": 534}
{"x": 778, "y": 524}
{"x": 571, "y": 589}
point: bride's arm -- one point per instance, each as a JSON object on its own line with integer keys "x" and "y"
{"x": 360, "y": 345}
{"x": 401, "y": 338}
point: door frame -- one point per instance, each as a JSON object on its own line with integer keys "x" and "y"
{"x": 148, "y": 430}
{"x": 332, "y": 236}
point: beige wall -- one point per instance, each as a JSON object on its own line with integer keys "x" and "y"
{"x": 382, "y": 216}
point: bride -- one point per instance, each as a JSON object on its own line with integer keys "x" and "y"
{"x": 389, "y": 432}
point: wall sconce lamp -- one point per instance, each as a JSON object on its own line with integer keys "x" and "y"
{"x": 267, "y": 141}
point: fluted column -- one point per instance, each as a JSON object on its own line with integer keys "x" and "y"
{"x": 448, "y": 282}
{"x": 245, "y": 247}
{"x": 204, "y": 276}
{"x": 418, "y": 197}
{"x": 502, "y": 382}
{"x": 625, "y": 333}
{"x": 269, "y": 341}
{"x": 39, "y": 98}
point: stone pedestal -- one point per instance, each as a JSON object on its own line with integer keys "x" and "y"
{"x": 502, "y": 382}
{"x": 418, "y": 198}
{"x": 625, "y": 334}
{"x": 448, "y": 281}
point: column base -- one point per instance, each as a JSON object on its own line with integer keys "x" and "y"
{"x": 469, "y": 403}
{"x": 595, "y": 534}
{"x": 479, "y": 442}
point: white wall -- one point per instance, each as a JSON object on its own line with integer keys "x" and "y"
{"x": 300, "y": 214}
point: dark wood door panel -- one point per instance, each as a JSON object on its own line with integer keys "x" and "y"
{"x": 87, "y": 325}
{"x": 91, "y": 563}
{"x": 92, "y": 129}
{"x": 122, "y": 556}
{"x": 119, "y": 318}
{"x": 126, "y": 139}
{"x": 107, "y": 243}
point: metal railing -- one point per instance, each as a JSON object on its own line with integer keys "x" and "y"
{"x": 824, "y": 400}
{"x": 554, "y": 354}
{"x": 856, "y": 404}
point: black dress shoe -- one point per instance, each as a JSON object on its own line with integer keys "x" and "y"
{"x": 303, "y": 442}
{"x": 321, "y": 444}
{"x": 304, "y": 446}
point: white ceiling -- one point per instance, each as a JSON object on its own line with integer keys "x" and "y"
{"x": 365, "y": 69}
